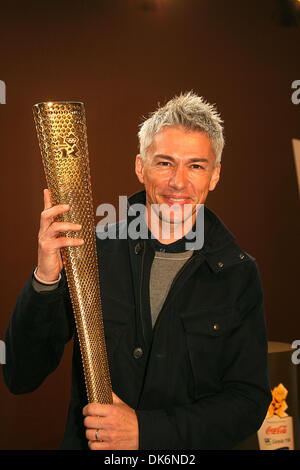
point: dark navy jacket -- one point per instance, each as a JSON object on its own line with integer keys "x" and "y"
{"x": 199, "y": 380}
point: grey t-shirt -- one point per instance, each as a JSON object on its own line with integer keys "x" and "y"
{"x": 164, "y": 268}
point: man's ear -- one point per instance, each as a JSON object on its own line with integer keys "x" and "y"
{"x": 139, "y": 167}
{"x": 215, "y": 177}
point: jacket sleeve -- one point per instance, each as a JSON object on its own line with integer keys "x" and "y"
{"x": 40, "y": 326}
{"x": 225, "y": 419}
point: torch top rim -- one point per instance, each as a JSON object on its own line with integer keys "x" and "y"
{"x": 57, "y": 102}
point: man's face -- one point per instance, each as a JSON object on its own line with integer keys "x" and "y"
{"x": 178, "y": 172}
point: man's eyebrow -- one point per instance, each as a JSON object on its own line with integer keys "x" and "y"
{"x": 189, "y": 160}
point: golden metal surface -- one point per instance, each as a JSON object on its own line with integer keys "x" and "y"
{"x": 61, "y": 129}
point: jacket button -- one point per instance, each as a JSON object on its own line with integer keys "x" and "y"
{"x": 242, "y": 256}
{"x": 216, "y": 327}
{"x": 137, "y": 248}
{"x": 220, "y": 264}
{"x": 137, "y": 353}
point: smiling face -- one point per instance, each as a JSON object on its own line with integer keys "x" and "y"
{"x": 177, "y": 173}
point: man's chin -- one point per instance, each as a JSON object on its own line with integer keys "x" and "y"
{"x": 177, "y": 215}
{"x": 174, "y": 218}
{"x": 174, "y": 221}
{"x": 177, "y": 223}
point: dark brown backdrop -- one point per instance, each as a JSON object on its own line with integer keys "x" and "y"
{"x": 122, "y": 57}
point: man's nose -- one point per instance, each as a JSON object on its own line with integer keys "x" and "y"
{"x": 178, "y": 179}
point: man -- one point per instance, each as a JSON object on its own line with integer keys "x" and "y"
{"x": 184, "y": 327}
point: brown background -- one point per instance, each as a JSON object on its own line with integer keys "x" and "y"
{"x": 122, "y": 57}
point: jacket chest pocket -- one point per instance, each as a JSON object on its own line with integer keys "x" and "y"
{"x": 117, "y": 315}
{"x": 205, "y": 334}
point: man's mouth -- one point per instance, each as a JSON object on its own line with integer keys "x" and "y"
{"x": 182, "y": 199}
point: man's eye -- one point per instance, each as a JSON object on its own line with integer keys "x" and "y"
{"x": 163, "y": 163}
{"x": 197, "y": 167}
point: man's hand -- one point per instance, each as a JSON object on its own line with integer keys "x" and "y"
{"x": 50, "y": 240}
{"x": 116, "y": 426}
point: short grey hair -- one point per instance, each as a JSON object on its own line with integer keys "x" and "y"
{"x": 189, "y": 111}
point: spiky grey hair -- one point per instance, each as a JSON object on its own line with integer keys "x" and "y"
{"x": 191, "y": 112}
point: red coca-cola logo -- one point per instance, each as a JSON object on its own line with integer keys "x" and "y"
{"x": 281, "y": 429}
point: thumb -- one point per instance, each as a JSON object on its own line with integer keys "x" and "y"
{"x": 116, "y": 399}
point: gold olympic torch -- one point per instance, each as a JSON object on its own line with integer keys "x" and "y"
{"x": 62, "y": 135}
